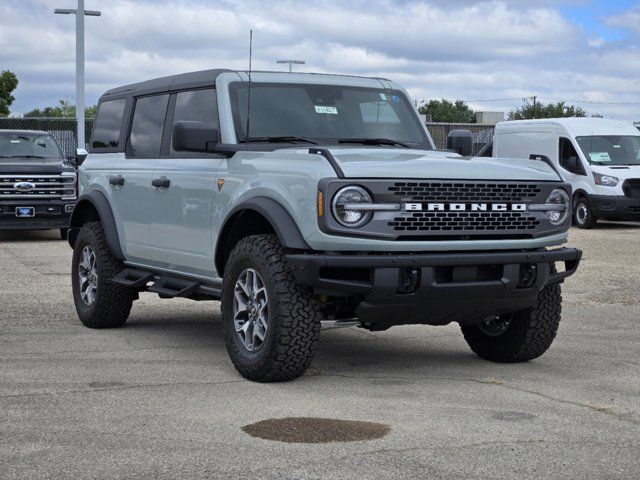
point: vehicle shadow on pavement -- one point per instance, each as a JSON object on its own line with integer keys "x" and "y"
{"x": 341, "y": 352}
{"x": 610, "y": 225}
{"x": 29, "y": 236}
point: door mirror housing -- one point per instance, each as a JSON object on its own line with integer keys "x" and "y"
{"x": 194, "y": 137}
{"x": 77, "y": 159}
{"x": 461, "y": 142}
{"x": 573, "y": 165}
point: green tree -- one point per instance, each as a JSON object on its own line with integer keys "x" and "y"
{"x": 64, "y": 109}
{"x": 550, "y": 110}
{"x": 8, "y": 83}
{"x": 447, "y": 111}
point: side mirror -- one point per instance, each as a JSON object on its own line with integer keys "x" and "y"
{"x": 460, "y": 141}
{"x": 194, "y": 137}
{"x": 77, "y": 159}
{"x": 573, "y": 164}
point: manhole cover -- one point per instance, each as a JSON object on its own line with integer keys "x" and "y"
{"x": 315, "y": 430}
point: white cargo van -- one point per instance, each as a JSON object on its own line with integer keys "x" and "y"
{"x": 600, "y": 158}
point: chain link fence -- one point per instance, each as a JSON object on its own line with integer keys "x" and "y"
{"x": 62, "y": 129}
{"x": 482, "y": 134}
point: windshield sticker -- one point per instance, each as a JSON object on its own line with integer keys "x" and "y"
{"x": 326, "y": 110}
{"x": 599, "y": 156}
{"x": 396, "y": 98}
{"x": 15, "y": 141}
{"x": 383, "y": 96}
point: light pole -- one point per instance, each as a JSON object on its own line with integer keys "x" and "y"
{"x": 291, "y": 63}
{"x": 80, "y": 13}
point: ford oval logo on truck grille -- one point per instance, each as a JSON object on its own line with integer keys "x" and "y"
{"x": 24, "y": 186}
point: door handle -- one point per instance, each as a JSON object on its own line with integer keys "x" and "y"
{"x": 118, "y": 180}
{"x": 161, "y": 182}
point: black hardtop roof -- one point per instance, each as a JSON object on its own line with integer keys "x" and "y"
{"x": 202, "y": 78}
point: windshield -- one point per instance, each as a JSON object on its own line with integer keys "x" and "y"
{"x": 611, "y": 149}
{"x": 326, "y": 114}
{"x": 29, "y": 145}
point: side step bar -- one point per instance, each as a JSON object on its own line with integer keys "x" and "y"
{"x": 166, "y": 286}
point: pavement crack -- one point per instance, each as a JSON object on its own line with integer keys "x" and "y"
{"x": 118, "y": 387}
{"x": 502, "y": 384}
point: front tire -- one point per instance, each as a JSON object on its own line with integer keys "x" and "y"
{"x": 583, "y": 216}
{"x": 271, "y": 324}
{"x": 99, "y": 302}
{"x": 520, "y": 336}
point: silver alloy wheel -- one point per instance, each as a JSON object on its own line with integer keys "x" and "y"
{"x": 88, "y": 273}
{"x": 251, "y": 309}
{"x": 495, "y": 326}
{"x": 582, "y": 213}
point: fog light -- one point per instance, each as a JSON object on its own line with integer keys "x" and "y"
{"x": 69, "y": 208}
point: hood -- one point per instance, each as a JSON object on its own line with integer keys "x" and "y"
{"x": 406, "y": 163}
{"x": 622, "y": 172}
{"x": 34, "y": 165}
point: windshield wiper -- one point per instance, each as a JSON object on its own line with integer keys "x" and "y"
{"x": 373, "y": 141}
{"x": 25, "y": 156}
{"x": 279, "y": 139}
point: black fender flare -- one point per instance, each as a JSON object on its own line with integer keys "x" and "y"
{"x": 97, "y": 201}
{"x": 278, "y": 217}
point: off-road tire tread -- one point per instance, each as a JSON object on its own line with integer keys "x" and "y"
{"x": 113, "y": 302}
{"x": 293, "y": 314}
{"x": 534, "y": 331}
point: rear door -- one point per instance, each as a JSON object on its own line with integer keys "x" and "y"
{"x": 181, "y": 230}
{"x": 131, "y": 175}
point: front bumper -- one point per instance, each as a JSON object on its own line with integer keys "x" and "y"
{"x": 615, "y": 207}
{"x": 435, "y": 289}
{"x": 48, "y": 215}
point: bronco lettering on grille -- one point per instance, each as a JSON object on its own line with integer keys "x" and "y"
{"x": 466, "y": 207}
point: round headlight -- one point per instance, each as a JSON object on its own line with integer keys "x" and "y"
{"x": 561, "y": 198}
{"x": 351, "y": 197}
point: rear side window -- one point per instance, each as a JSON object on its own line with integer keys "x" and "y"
{"x": 106, "y": 133}
{"x": 196, "y": 105}
{"x": 147, "y": 125}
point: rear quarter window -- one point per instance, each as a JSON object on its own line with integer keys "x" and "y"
{"x": 106, "y": 133}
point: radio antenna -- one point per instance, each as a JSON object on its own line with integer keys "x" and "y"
{"x": 246, "y": 137}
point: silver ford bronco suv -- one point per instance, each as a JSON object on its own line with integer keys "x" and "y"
{"x": 302, "y": 198}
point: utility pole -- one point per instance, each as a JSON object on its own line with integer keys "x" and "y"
{"x": 80, "y": 13}
{"x": 534, "y": 105}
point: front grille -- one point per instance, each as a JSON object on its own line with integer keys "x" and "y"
{"x": 464, "y": 221}
{"x": 631, "y": 188}
{"x": 464, "y": 192}
{"x": 38, "y": 187}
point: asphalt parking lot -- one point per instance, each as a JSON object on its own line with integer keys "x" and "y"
{"x": 160, "y": 399}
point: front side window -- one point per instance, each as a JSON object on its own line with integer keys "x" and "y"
{"x": 28, "y": 145}
{"x": 147, "y": 125}
{"x": 196, "y": 106}
{"x": 569, "y": 159}
{"x": 106, "y": 133}
{"x": 611, "y": 149}
{"x": 325, "y": 113}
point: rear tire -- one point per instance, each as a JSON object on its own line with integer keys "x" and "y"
{"x": 260, "y": 294}
{"x": 527, "y": 335}
{"x": 99, "y": 302}
{"x": 583, "y": 216}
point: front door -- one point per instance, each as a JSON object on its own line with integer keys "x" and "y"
{"x": 180, "y": 232}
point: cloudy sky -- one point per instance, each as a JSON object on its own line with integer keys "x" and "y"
{"x": 584, "y": 51}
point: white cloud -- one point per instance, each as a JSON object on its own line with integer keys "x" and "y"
{"x": 444, "y": 48}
